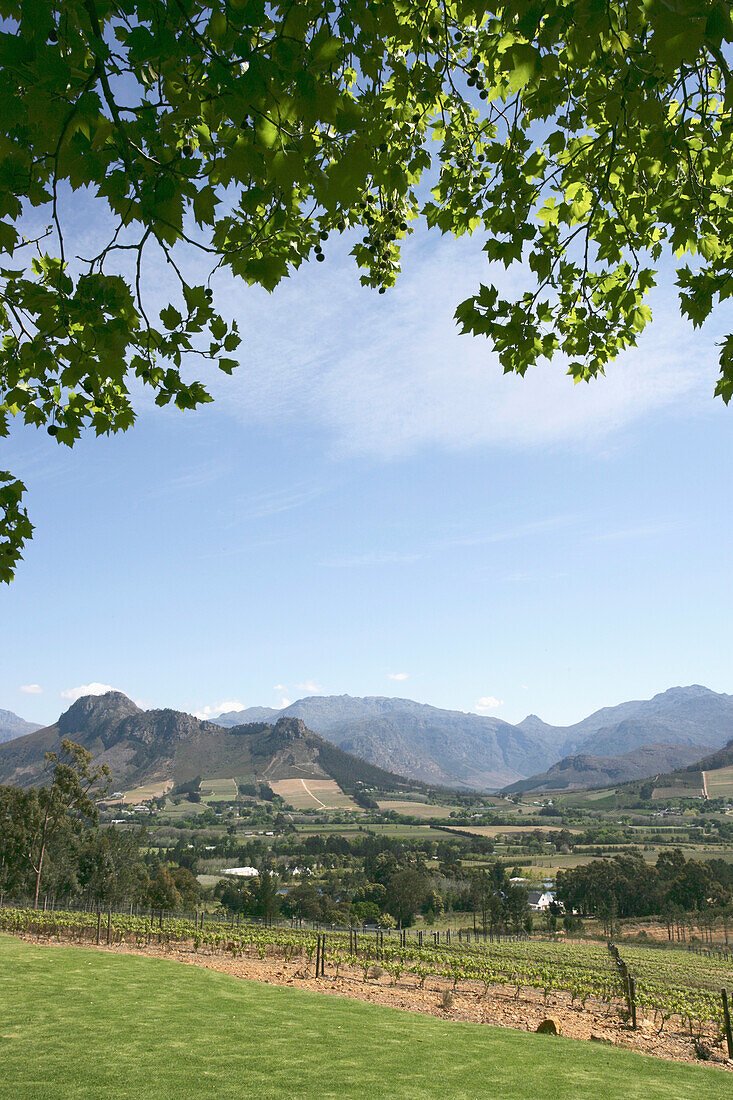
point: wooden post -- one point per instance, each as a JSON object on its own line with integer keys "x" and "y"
{"x": 109, "y": 924}
{"x": 323, "y": 956}
{"x": 632, "y": 1001}
{"x": 99, "y": 924}
{"x": 726, "y": 1022}
{"x": 318, "y": 953}
{"x": 419, "y": 938}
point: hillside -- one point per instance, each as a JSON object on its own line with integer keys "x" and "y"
{"x": 586, "y": 770}
{"x": 12, "y": 725}
{"x": 459, "y": 749}
{"x": 143, "y": 747}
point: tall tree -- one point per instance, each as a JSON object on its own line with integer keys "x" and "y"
{"x": 68, "y": 802}
{"x": 584, "y": 140}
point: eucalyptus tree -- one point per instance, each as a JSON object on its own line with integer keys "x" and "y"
{"x": 584, "y": 139}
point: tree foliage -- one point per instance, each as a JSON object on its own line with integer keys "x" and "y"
{"x": 583, "y": 139}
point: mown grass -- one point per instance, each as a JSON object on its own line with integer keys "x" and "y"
{"x": 82, "y": 1023}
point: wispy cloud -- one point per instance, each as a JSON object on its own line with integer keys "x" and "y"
{"x": 642, "y": 531}
{"x": 488, "y": 703}
{"x": 86, "y": 689}
{"x": 279, "y": 687}
{"x": 193, "y": 479}
{"x": 273, "y": 502}
{"x": 32, "y": 689}
{"x": 397, "y": 675}
{"x": 215, "y": 709}
{"x": 375, "y": 557}
{"x": 310, "y": 686}
{"x": 405, "y": 379}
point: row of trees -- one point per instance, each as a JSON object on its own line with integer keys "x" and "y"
{"x": 628, "y": 886}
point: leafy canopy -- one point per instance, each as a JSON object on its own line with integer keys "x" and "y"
{"x": 583, "y": 138}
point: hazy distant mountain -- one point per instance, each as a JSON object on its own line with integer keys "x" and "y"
{"x": 12, "y": 726}
{"x": 469, "y": 750}
{"x": 435, "y": 746}
{"x": 166, "y": 745}
{"x": 585, "y": 770}
{"x": 251, "y": 714}
{"x": 692, "y": 715}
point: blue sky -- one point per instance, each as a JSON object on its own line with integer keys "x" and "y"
{"x": 371, "y": 507}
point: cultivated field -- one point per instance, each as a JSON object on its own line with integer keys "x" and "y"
{"x": 218, "y": 790}
{"x": 416, "y": 809}
{"x": 307, "y": 794}
{"x": 67, "y": 1003}
{"x": 720, "y": 783}
{"x": 145, "y": 793}
{"x": 511, "y": 830}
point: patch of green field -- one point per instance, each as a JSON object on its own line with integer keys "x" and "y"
{"x": 183, "y": 809}
{"x": 80, "y": 1023}
{"x": 218, "y": 790}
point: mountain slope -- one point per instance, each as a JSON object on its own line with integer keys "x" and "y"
{"x": 586, "y": 770}
{"x": 166, "y": 745}
{"x": 12, "y": 725}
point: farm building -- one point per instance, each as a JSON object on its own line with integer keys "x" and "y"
{"x": 539, "y": 900}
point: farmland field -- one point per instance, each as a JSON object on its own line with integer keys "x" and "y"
{"x": 511, "y": 830}
{"x": 218, "y": 790}
{"x": 68, "y": 1003}
{"x": 720, "y": 783}
{"x": 416, "y": 809}
{"x": 145, "y": 793}
{"x": 305, "y": 794}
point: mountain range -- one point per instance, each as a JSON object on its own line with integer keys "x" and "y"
{"x": 458, "y": 749}
{"x": 439, "y": 747}
{"x": 11, "y": 725}
{"x": 171, "y": 748}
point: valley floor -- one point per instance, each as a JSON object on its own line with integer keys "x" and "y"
{"x": 500, "y": 1006}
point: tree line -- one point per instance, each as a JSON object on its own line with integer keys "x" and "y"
{"x": 628, "y": 886}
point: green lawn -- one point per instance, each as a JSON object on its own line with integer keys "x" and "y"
{"x": 86, "y": 1024}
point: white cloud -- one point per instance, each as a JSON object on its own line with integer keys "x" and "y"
{"x": 406, "y": 379}
{"x": 284, "y": 702}
{"x": 311, "y": 686}
{"x": 32, "y": 689}
{"x": 397, "y": 675}
{"x": 86, "y": 689}
{"x": 525, "y": 687}
{"x": 216, "y": 709}
{"x": 487, "y": 703}
{"x": 279, "y": 687}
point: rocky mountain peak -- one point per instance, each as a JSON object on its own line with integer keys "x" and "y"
{"x": 95, "y": 714}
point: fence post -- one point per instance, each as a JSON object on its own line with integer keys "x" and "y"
{"x": 109, "y": 924}
{"x": 632, "y": 1001}
{"x": 323, "y": 956}
{"x": 318, "y": 953}
{"x": 726, "y": 1021}
{"x": 99, "y": 924}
